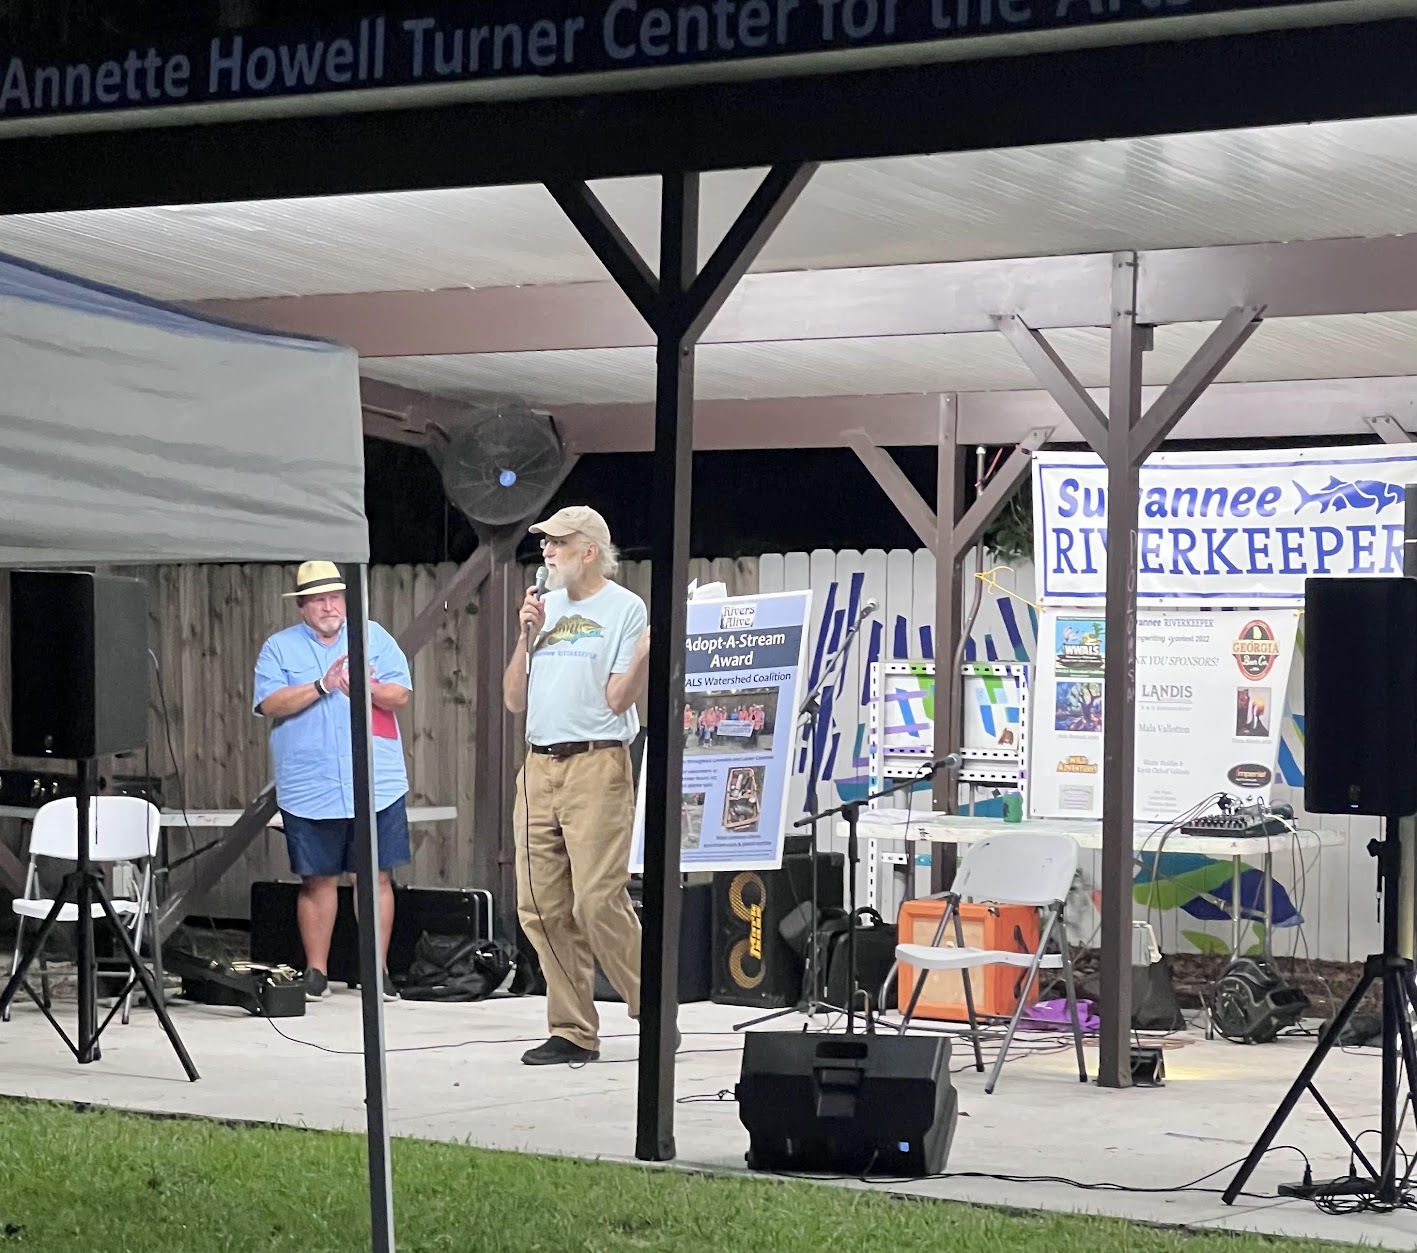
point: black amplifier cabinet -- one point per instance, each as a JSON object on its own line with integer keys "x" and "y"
{"x": 275, "y": 935}
{"x": 695, "y": 945}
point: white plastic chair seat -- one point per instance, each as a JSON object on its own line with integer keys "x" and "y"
{"x": 69, "y": 912}
{"x": 926, "y": 957}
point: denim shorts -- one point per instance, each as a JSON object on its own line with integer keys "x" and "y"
{"x": 325, "y": 846}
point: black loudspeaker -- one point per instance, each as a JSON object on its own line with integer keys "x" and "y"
{"x": 1360, "y": 696}
{"x": 752, "y": 964}
{"x": 847, "y": 1104}
{"x": 78, "y": 664}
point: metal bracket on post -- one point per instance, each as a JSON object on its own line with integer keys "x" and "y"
{"x": 1124, "y": 437}
{"x": 1388, "y": 429}
{"x": 677, "y": 306}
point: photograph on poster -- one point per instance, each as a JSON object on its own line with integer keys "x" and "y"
{"x": 692, "y": 819}
{"x": 742, "y": 802}
{"x": 1078, "y": 708}
{"x": 1252, "y": 705}
{"x": 730, "y": 721}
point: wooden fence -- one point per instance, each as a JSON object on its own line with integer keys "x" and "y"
{"x": 207, "y": 625}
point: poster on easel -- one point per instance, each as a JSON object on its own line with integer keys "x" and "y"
{"x": 1210, "y": 690}
{"x": 745, "y": 661}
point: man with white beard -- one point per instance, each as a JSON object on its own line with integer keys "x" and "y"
{"x": 575, "y": 804}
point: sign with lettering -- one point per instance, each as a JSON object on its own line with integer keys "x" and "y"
{"x": 745, "y": 663}
{"x": 1224, "y": 528}
{"x": 1210, "y": 694}
{"x": 533, "y": 40}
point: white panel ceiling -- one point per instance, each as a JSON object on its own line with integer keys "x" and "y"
{"x": 1354, "y": 178}
{"x": 1291, "y": 348}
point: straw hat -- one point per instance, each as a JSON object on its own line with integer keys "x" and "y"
{"x": 314, "y": 578}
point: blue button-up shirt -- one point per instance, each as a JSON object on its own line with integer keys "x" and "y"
{"x": 314, "y": 764}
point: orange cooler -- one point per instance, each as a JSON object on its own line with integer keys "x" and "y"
{"x": 996, "y": 987}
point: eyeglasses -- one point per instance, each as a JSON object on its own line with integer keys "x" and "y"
{"x": 548, "y": 542}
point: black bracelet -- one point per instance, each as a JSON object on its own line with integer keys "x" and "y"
{"x": 321, "y": 688}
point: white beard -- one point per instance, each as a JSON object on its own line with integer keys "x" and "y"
{"x": 555, "y": 580}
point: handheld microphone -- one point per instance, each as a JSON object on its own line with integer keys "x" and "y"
{"x": 542, "y": 574}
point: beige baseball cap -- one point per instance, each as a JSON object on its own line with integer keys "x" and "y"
{"x": 575, "y": 520}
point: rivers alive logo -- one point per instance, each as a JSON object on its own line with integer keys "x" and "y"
{"x": 1256, "y": 650}
{"x": 1338, "y": 494}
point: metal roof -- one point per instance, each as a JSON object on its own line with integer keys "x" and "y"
{"x": 1351, "y": 179}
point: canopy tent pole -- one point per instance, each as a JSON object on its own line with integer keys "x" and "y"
{"x": 366, "y": 860}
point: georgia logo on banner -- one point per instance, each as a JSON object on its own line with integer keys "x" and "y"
{"x": 1256, "y": 650}
{"x": 1224, "y": 529}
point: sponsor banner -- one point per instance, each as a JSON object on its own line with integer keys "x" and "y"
{"x": 745, "y": 661}
{"x": 1210, "y": 689}
{"x": 1224, "y": 528}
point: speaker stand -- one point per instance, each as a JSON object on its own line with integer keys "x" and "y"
{"x": 811, "y": 709}
{"x": 1395, "y": 973}
{"x": 83, "y": 887}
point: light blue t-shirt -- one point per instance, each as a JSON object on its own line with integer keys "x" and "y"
{"x": 582, "y": 643}
{"x": 314, "y": 764}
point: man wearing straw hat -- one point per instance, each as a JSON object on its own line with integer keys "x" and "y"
{"x": 302, "y": 685}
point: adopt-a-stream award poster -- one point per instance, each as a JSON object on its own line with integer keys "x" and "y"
{"x": 1210, "y": 692}
{"x": 745, "y": 657}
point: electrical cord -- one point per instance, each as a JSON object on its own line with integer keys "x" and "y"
{"x": 1192, "y": 1186}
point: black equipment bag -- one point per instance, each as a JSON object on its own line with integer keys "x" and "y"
{"x": 875, "y": 952}
{"x": 457, "y": 968}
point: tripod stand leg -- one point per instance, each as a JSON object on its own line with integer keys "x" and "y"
{"x": 1306, "y": 1077}
{"x": 157, "y": 1003}
{"x": 41, "y": 937}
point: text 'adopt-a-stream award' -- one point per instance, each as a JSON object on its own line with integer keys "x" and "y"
{"x": 744, "y": 661}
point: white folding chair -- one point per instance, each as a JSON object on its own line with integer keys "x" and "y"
{"x": 122, "y": 829}
{"x": 1021, "y": 869}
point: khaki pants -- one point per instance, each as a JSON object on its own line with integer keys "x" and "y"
{"x": 574, "y": 819}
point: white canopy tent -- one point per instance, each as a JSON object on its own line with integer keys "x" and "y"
{"x": 134, "y": 432}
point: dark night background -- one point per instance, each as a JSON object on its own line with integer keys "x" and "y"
{"x": 744, "y": 503}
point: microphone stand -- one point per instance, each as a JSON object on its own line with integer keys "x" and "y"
{"x": 811, "y": 709}
{"x": 851, "y": 811}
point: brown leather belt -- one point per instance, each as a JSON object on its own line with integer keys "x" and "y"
{"x": 572, "y": 747}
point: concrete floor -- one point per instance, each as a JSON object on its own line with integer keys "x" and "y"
{"x": 460, "y": 1080}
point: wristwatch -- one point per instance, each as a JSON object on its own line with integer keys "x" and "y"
{"x": 320, "y": 686}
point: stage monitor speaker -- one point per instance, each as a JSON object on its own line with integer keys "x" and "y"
{"x": 752, "y": 964}
{"x": 78, "y": 664}
{"x": 847, "y": 1104}
{"x": 1360, "y": 696}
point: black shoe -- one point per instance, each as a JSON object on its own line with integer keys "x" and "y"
{"x": 391, "y": 993}
{"x": 559, "y": 1051}
{"x": 317, "y": 986}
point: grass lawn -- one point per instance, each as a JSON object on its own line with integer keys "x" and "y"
{"x": 78, "y": 1181}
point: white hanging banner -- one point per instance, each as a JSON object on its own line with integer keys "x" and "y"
{"x": 1224, "y": 528}
{"x": 1209, "y": 702}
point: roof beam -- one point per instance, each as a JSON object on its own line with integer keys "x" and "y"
{"x": 1223, "y": 411}
{"x": 1307, "y": 279}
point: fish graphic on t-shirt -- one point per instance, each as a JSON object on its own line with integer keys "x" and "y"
{"x": 574, "y": 627}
